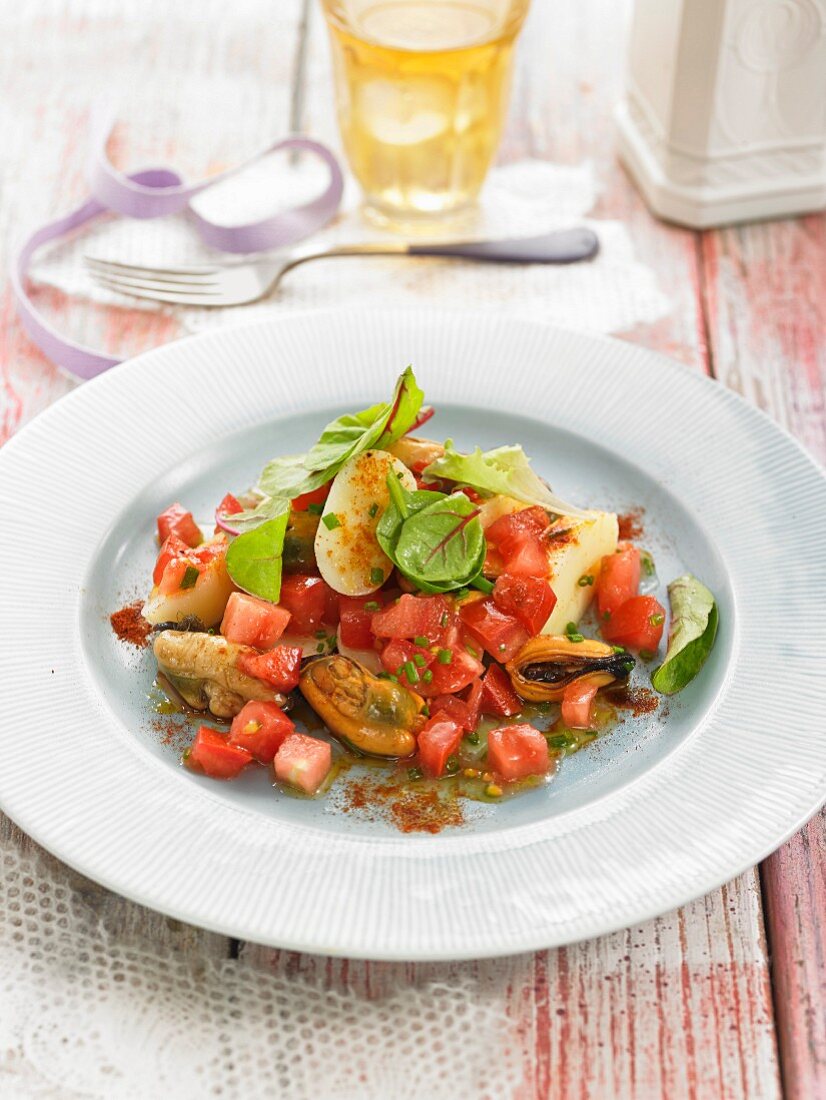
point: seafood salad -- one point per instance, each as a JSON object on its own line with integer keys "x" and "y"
{"x": 425, "y": 605}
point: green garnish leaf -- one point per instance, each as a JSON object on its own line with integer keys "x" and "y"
{"x": 190, "y": 577}
{"x": 254, "y": 558}
{"x": 694, "y": 619}
{"x": 435, "y": 540}
{"x": 505, "y": 470}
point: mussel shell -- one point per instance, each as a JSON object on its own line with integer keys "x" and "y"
{"x": 547, "y": 664}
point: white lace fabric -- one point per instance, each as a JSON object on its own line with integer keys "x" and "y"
{"x": 91, "y": 1007}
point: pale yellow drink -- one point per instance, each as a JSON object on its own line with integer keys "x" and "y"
{"x": 422, "y": 89}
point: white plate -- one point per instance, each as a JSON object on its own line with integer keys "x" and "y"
{"x": 654, "y": 814}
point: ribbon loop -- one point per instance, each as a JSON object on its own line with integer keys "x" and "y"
{"x": 156, "y": 193}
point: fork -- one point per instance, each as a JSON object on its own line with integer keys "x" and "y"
{"x": 235, "y": 282}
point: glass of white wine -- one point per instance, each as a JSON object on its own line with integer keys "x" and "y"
{"x": 422, "y": 90}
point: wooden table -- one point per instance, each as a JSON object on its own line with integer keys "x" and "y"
{"x": 727, "y": 996}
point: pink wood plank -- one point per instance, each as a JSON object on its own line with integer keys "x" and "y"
{"x": 766, "y": 293}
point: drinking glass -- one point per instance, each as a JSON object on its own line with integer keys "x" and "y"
{"x": 422, "y": 90}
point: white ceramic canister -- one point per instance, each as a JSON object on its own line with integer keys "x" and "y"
{"x": 724, "y": 115}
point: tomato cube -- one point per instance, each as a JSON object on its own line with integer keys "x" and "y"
{"x": 212, "y": 754}
{"x": 618, "y": 581}
{"x": 407, "y": 661}
{"x": 530, "y": 560}
{"x": 179, "y": 574}
{"x": 175, "y": 520}
{"x": 530, "y": 599}
{"x": 172, "y": 548}
{"x": 303, "y": 762}
{"x": 279, "y": 667}
{"x": 355, "y": 617}
{"x": 306, "y": 598}
{"x": 261, "y": 729}
{"x": 638, "y": 624}
{"x": 515, "y": 752}
{"x": 578, "y": 703}
{"x": 463, "y": 709}
{"x": 229, "y": 506}
{"x": 498, "y": 696}
{"x": 315, "y": 496}
{"x": 509, "y": 532}
{"x": 250, "y": 621}
{"x": 438, "y": 739}
{"x": 501, "y": 635}
{"x": 453, "y": 670}
{"x": 412, "y": 617}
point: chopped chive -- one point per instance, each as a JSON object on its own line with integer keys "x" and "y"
{"x": 606, "y": 615}
{"x": 321, "y": 634}
{"x": 502, "y": 647}
{"x": 426, "y": 710}
{"x": 419, "y": 660}
{"x": 647, "y": 563}
{"x": 473, "y": 738}
{"x": 411, "y": 672}
{"x": 400, "y": 670}
{"x": 400, "y": 475}
{"x": 647, "y": 654}
{"x": 372, "y": 605}
{"x": 422, "y": 641}
{"x": 315, "y": 509}
{"x": 395, "y": 679}
{"x": 473, "y": 652}
{"x": 320, "y": 647}
{"x": 331, "y": 521}
{"x": 573, "y": 634}
{"x": 657, "y": 619}
{"x": 451, "y": 765}
{"x": 372, "y": 510}
{"x": 444, "y": 656}
{"x": 427, "y": 676}
{"x": 618, "y": 649}
{"x": 415, "y": 773}
{"x": 585, "y": 580}
{"x": 187, "y": 754}
{"x": 376, "y": 575}
{"x": 190, "y": 577}
{"x": 444, "y": 618}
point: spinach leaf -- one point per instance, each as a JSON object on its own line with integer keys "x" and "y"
{"x": 694, "y": 619}
{"x": 505, "y": 470}
{"x": 254, "y": 558}
{"x": 435, "y": 540}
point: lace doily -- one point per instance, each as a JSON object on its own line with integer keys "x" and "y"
{"x": 92, "y": 1009}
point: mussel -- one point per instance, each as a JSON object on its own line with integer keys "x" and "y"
{"x": 546, "y": 664}
{"x": 202, "y": 668}
{"x": 378, "y": 717}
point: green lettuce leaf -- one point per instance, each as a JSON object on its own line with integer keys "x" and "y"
{"x": 254, "y": 558}
{"x": 434, "y": 539}
{"x": 694, "y": 619}
{"x": 504, "y": 470}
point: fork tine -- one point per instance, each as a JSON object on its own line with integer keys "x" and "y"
{"x": 132, "y": 290}
{"x": 161, "y": 284}
{"x": 172, "y": 274}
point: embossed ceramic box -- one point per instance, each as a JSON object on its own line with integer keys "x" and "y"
{"x": 724, "y": 117}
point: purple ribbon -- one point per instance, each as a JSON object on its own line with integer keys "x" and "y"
{"x": 155, "y": 193}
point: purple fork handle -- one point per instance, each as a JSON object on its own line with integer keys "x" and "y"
{"x": 563, "y": 246}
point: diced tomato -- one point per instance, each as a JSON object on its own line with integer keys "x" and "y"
{"x": 456, "y": 672}
{"x": 530, "y": 560}
{"x": 172, "y": 548}
{"x": 637, "y": 624}
{"x": 509, "y": 532}
{"x": 315, "y": 496}
{"x": 463, "y": 710}
{"x": 212, "y": 754}
{"x": 261, "y": 729}
{"x": 250, "y": 621}
{"x": 356, "y": 614}
{"x": 501, "y": 635}
{"x": 438, "y": 739}
{"x": 303, "y": 762}
{"x": 179, "y": 573}
{"x": 517, "y": 751}
{"x": 396, "y": 655}
{"x": 498, "y": 696}
{"x": 528, "y": 599}
{"x": 306, "y": 598}
{"x": 494, "y": 562}
{"x": 279, "y": 667}
{"x": 229, "y": 506}
{"x": 619, "y": 579}
{"x": 175, "y": 520}
{"x": 332, "y": 612}
{"x": 413, "y": 616}
{"x": 578, "y": 703}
